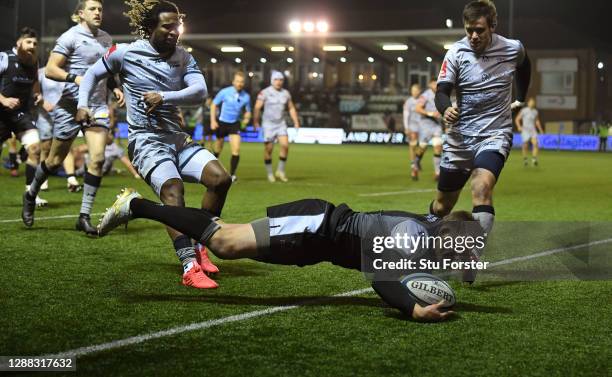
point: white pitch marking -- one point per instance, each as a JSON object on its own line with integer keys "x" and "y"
{"x": 49, "y": 218}
{"x": 259, "y": 313}
{"x": 397, "y": 192}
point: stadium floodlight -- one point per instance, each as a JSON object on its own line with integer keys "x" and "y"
{"x": 309, "y": 26}
{"x": 278, "y": 48}
{"x": 360, "y": 77}
{"x": 322, "y": 26}
{"x": 395, "y": 47}
{"x": 374, "y": 77}
{"x": 238, "y": 60}
{"x": 315, "y": 74}
{"x": 251, "y": 74}
{"x": 334, "y": 48}
{"x": 231, "y": 49}
{"x": 295, "y": 26}
{"x": 316, "y": 60}
{"x": 290, "y": 48}
{"x": 429, "y": 59}
{"x": 600, "y": 65}
{"x": 449, "y": 23}
{"x": 287, "y": 73}
{"x": 263, "y": 60}
{"x": 400, "y": 59}
{"x": 289, "y": 60}
{"x": 370, "y": 59}
{"x": 342, "y": 59}
{"x": 447, "y": 46}
{"x": 189, "y": 49}
{"x": 213, "y": 60}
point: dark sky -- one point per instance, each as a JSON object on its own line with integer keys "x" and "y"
{"x": 539, "y": 23}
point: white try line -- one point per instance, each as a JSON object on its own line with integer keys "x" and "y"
{"x": 49, "y": 218}
{"x": 259, "y": 313}
{"x": 397, "y": 192}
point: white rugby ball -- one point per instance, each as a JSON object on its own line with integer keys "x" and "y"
{"x": 428, "y": 289}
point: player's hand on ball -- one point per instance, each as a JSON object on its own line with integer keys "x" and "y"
{"x": 431, "y": 313}
{"x": 119, "y": 97}
{"x": 83, "y": 116}
{"x": 11, "y": 103}
{"x": 451, "y": 116}
{"x": 152, "y": 100}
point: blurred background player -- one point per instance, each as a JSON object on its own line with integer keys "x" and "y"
{"x": 603, "y": 130}
{"x": 274, "y": 99}
{"x": 160, "y": 150}
{"x": 202, "y": 116}
{"x": 75, "y": 51}
{"x": 528, "y": 124}
{"x": 232, "y": 100}
{"x": 429, "y": 129}
{"x": 19, "y": 91}
{"x": 112, "y": 153}
{"x": 480, "y": 134}
{"x": 411, "y": 126}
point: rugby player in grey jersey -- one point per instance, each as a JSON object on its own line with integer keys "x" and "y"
{"x": 528, "y": 124}
{"x": 75, "y": 51}
{"x": 481, "y": 68}
{"x": 157, "y": 76}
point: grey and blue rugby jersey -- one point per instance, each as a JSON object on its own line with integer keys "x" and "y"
{"x": 51, "y": 90}
{"x": 411, "y": 117}
{"x": 483, "y": 84}
{"x": 275, "y": 102}
{"x": 82, "y": 49}
{"x": 427, "y": 99}
{"x": 142, "y": 70}
{"x": 529, "y": 116}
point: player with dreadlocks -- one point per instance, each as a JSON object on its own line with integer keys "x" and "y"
{"x": 157, "y": 76}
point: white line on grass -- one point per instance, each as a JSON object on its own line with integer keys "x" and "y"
{"x": 259, "y": 313}
{"x": 49, "y": 218}
{"x": 397, "y": 192}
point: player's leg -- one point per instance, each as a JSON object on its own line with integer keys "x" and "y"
{"x": 283, "y": 142}
{"x": 218, "y": 143}
{"x": 167, "y": 183}
{"x": 268, "y": 149}
{"x": 30, "y": 141}
{"x": 12, "y": 150}
{"x": 95, "y": 137}
{"x": 535, "y": 150}
{"x": 413, "y": 145}
{"x": 525, "y": 151}
{"x": 437, "y": 153}
{"x": 57, "y": 153}
{"x": 235, "y": 141}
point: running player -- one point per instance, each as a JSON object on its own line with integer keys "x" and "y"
{"x": 481, "y": 68}
{"x": 233, "y": 99}
{"x": 308, "y": 232}
{"x": 430, "y": 129}
{"x": 75, "y": 51}
{"x": 274, "y": 99}
{"x": 411, "y": 127}
{"x": 157, "y": 76}
{"x": 528, "y": 124}
{"x": 18, "y": 87}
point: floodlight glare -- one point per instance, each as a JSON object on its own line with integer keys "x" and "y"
{"x": 395, "y": 47}
{"x": 343, "y": 59}
{"x": 400, "y": 59}
{"x": 295, "y": 26}
{"x": 263, "y": 60}
{"x": 231, "y": 49}
{"x": 238, "y": 60}
{"x": 322, "y": 26}
{"x": 429, "y": 59}
{"x": 213, "y": 60}
{"x": 309, "y": 26}
{"x": 289, "y": 60}
{"x": 371, "y": 59}
{"x": 278, "y": 48}
{"x": 334, "y": 48}
{"x": 316, "y": 60}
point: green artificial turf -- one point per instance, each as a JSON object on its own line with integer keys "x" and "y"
{"x": 60, "y": 290}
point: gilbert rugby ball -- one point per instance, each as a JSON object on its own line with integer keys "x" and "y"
{"x": 428, "y": 289}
